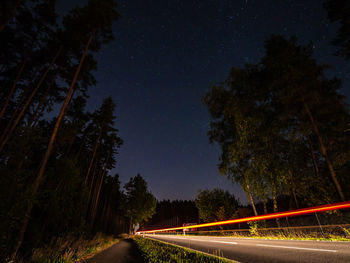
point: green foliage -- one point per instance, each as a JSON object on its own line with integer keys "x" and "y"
{"x": 70, "y": 248}
{"x": 140, "y": 204}
{"x": 280, "y": 124}
{"x": 32, "y": 84}
{"x": 156, "y": 251}
{"x": 253, "y": 227}
{"x": 215, "y": 205}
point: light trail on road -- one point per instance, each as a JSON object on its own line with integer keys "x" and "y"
{"x": 260, "y": 250}
{"x": 290, "y": 213}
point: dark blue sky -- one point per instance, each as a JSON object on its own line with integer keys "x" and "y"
{"x": 166, "y": 55}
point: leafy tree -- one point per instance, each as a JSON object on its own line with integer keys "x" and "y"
{"x": 85, "y": 28}
{"x": 173, "y": 213}
{"x": 302, "y": 88}
{"x": 339, "y": 11}
{"x": 215, "y": 205}
{"x": 140, "y": 204}
{"x": 277, "y": 122}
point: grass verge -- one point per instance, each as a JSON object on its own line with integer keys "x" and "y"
{"x": 283, "y": 237}
{"x": 158, "y": 251}
{"x": 70, "y": 249}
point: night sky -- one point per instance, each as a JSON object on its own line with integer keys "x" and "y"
{"x": 166, "y": 55}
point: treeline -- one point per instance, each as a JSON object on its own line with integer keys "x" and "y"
{"x": 55, "y": 156}
{"x": 173, "y": 213}
{"x": 282, "y": 127}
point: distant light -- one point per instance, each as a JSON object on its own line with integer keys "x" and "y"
{"x": 290, "y": 213}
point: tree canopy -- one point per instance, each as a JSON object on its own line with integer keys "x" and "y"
{"x": 280, "y": 124}
{"x": 216, "y": 205}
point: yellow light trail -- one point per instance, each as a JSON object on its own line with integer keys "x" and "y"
{"x": 290, "y": 213}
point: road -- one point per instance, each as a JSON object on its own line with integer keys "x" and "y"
{"x": 125, "y": 251}
{"x": 263, "y": 250}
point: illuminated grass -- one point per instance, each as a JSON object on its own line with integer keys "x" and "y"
{"x": 291, "y": 236}
{"x": 69, "y": 249}
{"x": 158, "y": 251}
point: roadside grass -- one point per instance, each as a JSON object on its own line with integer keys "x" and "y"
{"x": 71, "y": 249}
{"x": 286, "y": 235}
{"x": 158, "y": 251}
{"x": 294, "y": 237}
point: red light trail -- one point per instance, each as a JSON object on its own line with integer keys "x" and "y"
{"x": 297, "y": 212}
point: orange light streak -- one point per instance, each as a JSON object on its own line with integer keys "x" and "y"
{"x": 290, "y": 213}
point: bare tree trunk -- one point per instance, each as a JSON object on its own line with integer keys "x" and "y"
{"x": 275, "y": 207}
{"x": 43, "y": 99}
{"x": 250, "y": 197}
{"x": 13, "y": 88}
{"x": 26, "y": 105}
{"x": 93, "y": 177}
{"x": 265, "y": 205}
{"x": 295, "y": 197}
{"x": 11, "y": 15}
{"x": 19, "y": 103}
{"x": 39, "y": 177}
{"x": 314, "y": 159}
{"x": 75, "y": 134}
{"x": 97, "y": 197}
{"x": 324, "y": 153}
{"x": 93, "y": 155}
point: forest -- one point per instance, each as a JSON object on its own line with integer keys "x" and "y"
{"x": 282, "y": 125}
{"x": 56, "y": 156}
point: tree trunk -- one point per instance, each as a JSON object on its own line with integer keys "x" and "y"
{"x": 275, "y": 207}
{"x": 13, "y": 88}
{"x": 19, "y": 103}
{"x": 250, "y": 197}
{"x": 40, "y": 174}
{"x": 314, "y": 159}
{"x": 26, "y": 105}
{"x": 11, "y": 15}
{"x": 93, "y": 178}
{"x": 295, "y": 197}
{"x": 265, "y": 205}
{"x": 93, "y": 155}
{"x": 324, "y": 153}
{"x": 97, "y": 196}
{"x": 43, "y": 99}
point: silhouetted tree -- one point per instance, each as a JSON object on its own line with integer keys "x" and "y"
{"x": 215, "y": 205}
{"x": 140, "y": 204}
{"x": 339, "y": 11}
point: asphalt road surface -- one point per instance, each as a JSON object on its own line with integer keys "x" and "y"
{"x": 263, "y": 250}
{"x": 125, "y": 251}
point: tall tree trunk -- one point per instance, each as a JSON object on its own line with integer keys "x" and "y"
{"x": 43, "y": 99}
{"x": 95, "y": 205}
{"x": 324, "y": 153}
{"x": 314, "y": 159}
{"x": 275, "y": 207}
{"x": 11, "y": 15}
{"x": 13, "y": 116}
{"x": 93, "y": 155}
{"x": 13, "y": 88}
{"x": 295, "y": 197}
{"x": 39, "y": 177}
{"x": 265, "y": 205}
{"x": 93, "y": 178}
{"x": 250, "y": 196}
{"x": 26, "y": 105}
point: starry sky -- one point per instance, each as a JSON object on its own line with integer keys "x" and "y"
{"x": 165, "y": 56}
